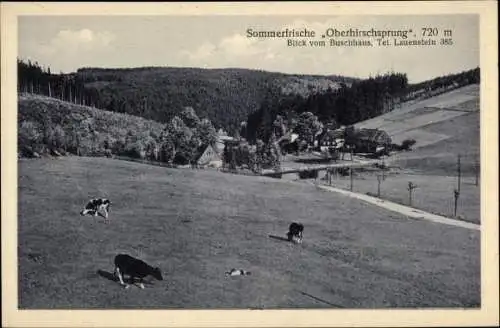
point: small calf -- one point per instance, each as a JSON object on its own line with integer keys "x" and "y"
{"x": 97, "y": 206}
{"x": 135, "y": 268}
{"x": 295, "y": 232}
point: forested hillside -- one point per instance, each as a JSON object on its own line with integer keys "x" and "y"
{"x": 225, "y": 96}
{"x": 168, "y": 113}
{"x": 349, "y": 104}
{"x": 47, "y": 125}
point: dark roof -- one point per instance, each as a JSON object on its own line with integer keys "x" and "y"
{"x": 332, "y": 134}
{"x": 372, "y": 134}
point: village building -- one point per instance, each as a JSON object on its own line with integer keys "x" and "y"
{"x": 371, "y": 140}
{"x": 208, "y": 156}
{"x": 331, "y": 139}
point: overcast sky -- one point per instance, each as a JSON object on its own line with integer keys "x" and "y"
{"x": 66, "y": 43}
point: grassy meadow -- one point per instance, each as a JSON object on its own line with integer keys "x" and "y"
{"x": 197, "y": 224}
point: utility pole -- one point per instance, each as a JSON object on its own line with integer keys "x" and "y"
{"x": 459, "y": 173}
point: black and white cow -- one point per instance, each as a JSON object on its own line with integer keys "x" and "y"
{"x": 295, "y": 232}
{"x": 97, "y": 206}
{"x": 238, "y": 272}
{"x": 135, "y": 268}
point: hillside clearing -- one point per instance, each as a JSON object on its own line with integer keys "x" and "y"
{"x": 196, "y": 225}
{"x": 414, "y": 117}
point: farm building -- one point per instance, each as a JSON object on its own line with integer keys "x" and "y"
{"x": 331, "y": 138}
{"x": 207, "y": 155}
{"x": 368, "y": 140}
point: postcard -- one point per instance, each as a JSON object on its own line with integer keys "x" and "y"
{"x": 249, "y": 164}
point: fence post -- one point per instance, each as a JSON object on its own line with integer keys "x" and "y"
{"x": 459, "y": 173}
{"x": 411, "y": 186}
{"x": 379, "y": 178}
{"x": 383, "y": 167}
{"x": 456, "y": 195}
{"x": 351, "y": 177}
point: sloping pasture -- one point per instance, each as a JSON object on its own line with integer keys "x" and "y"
{"x": 197, "y": 224}
{"x": 411, "y": 121}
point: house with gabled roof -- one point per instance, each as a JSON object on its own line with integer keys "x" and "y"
{"x": 369, "y": 140}
{"x": 331, "y": 138}
{"x": 207, "y": 155}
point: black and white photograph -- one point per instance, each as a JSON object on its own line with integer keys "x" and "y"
{"x": 249, "y": 161}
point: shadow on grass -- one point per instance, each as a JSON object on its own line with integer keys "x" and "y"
{"x": 279, "y": 238}
{"x": 107, "y": 275}
{"x": 320, "y": 300}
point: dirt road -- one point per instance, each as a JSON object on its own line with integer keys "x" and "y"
{"x": 405, "y": 210}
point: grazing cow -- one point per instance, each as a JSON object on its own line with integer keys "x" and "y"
{"x": 238, "y": 272}
{"x": 96, "y": 207}
{"x": 295, "y": 232}
{"x": 135, "y": 268}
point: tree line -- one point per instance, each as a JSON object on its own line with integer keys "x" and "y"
{"x": 443, "y": 83}
{"x": 35, "y": 79}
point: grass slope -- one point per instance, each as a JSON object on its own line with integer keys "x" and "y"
{"x": 196, "y": 225}
{"x": 443, "y": 127}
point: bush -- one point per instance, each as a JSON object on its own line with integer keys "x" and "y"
{"x": 56, "y": 137}
{"x": 181, "y": 158}
{"x": 29, "y": 138}
{"x": 135, "y": 150}
{"x": 312, "y": 174}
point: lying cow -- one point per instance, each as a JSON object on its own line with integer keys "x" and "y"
{"x": 238, "y": 272}
{"x": 135, "y": 268}
{"x": 97, "y": 206}
{"x": 295, "y": 232}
